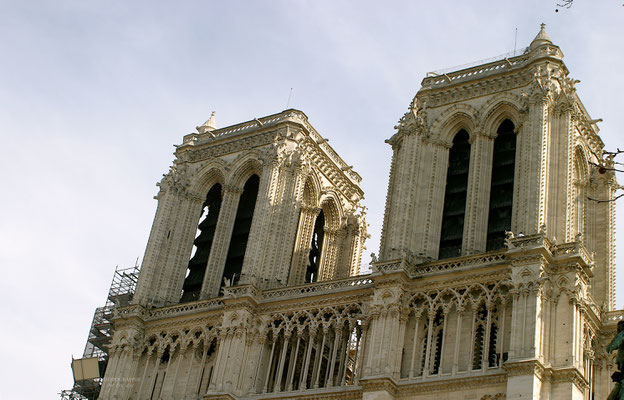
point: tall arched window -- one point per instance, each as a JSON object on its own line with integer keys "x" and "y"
{"x": 314, "y": 257}
{"x": 501, "y": 190}
{"x": 240, "y": 232}
{"x": 202, "y": 245}
{"x": 455, "y": 197}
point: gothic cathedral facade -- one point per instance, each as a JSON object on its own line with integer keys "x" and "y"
{"x": 494, "y": 278}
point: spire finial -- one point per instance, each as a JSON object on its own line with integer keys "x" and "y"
{"x": 209, "y": 125}
{"x": 541, "y": 38}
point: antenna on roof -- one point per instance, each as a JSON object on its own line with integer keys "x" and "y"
{"x": 515, "y": 41}
{"x": 289, "y": 96}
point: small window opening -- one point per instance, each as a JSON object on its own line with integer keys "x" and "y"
{"x": 438, "y": 337}
{"x": 316, "y": 246}
{"x": 479, "y": 345}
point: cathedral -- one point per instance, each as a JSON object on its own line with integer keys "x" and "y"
{"x": 494, "y": 277}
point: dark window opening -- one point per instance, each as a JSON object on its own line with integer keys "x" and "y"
{"x": 202, "y": 245}
{"x": 493, "y": 356}
{"x": 316, "y": 246}
{"x": 240, "y": 232}
{"x": 438, "y": 336}
{"x": 455, "y": 197}
{"x": 501, "y": 189}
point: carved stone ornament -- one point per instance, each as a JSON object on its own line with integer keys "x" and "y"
{"x": 415, "y": 119}
{"x": 177, "y": 179}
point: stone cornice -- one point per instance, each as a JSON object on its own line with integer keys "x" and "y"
{"x": 569, "y": 375}
{"x": 524, "y": 367}
{"x": 377, "y": 384}
{"x": 450, "y": 384}
{"x": 217, "y": 141}
{"x": 501, "y": 75}
{"x": 335, "y": 393}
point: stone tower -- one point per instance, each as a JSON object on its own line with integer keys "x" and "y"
{"x": 262, "y": 191}
{"x": 495, "y": 275}
{"x": 489, "y": 203}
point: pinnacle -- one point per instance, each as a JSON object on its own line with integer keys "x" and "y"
{"x": 209, "y": 125}
{"x": 541, "y": 38}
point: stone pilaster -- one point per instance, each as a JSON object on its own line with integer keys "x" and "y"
{"x": 180, "y": 241}
{"x": 151, "y": 266}
{"x": 403, "y": 192}
{"x": 478, "y": 196}
{"x": 531, "y": 189}
{"x": 432, "y": 223}
{"x": 282, "y": 224}
{"x": 329, "y": 254}
{"x": 302, "y": 245}
{"x": 221, "y": 242}
{"x": 260, "y": 230}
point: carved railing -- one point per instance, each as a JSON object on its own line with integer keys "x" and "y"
{"x": 318, "y": 288}
{"x": 271, "y": 120}
{"x": 185, "y": 308}
{"x": 573, "y": 249}
{"x": 389, "y": 266}
{"x": 445, "y": 77}
{"x": 241, "y": 290}
{"x": 429, "y": 267}
{"x": 529, "y": 242}
{"x": 309, "y": 289}
{"x": 454, "y": 264}
{"x": 613, "y": 317}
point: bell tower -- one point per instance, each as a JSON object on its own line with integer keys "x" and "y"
{"x": 266, "y": 202}
{"x": 499, "y": 148}
{"x": 495, "y": 278}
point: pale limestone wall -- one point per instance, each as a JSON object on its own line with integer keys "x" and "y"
{"x": 286, "y": 153}
{"x": 556, "y": 142}
{"x": 540, "y": 306}
{"x": 539, "y": 324}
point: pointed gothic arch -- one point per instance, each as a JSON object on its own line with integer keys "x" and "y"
{"x": 499, "y": 108}
{"x": 454, "y": 119}
{"x": 207, "y": 176}
{"x": 243, "y": 167}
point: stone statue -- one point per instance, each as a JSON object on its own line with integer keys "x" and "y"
{"x": 618, "y": 343}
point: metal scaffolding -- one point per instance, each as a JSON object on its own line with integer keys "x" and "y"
{"x": 101, "y": 332}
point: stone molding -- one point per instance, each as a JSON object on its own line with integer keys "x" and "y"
{"x": 529, "y": 367}
{"x": 450, "y": 384}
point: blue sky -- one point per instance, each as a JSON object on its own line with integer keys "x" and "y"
{"x": 93, "y": 95}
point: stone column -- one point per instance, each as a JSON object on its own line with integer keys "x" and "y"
{"x": 524, "y": 367}
{"x": 182, "y": 234}
{"x": 260, "y": 231}
{"x": 282, "y": 226}
{"x": 156, "y": 244}
{"x": 478, "y": 196}
{"x": 433, "y": 205}
{"x": 406, "y": 173}
{"x": 221, "y": 242}
{"x": 384, "y": 342}
{"x": 302, "y": 245}
{"x": 329, "y": 254}
{"x": 532, "y": 169}
{"x": 170, "y": 241}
